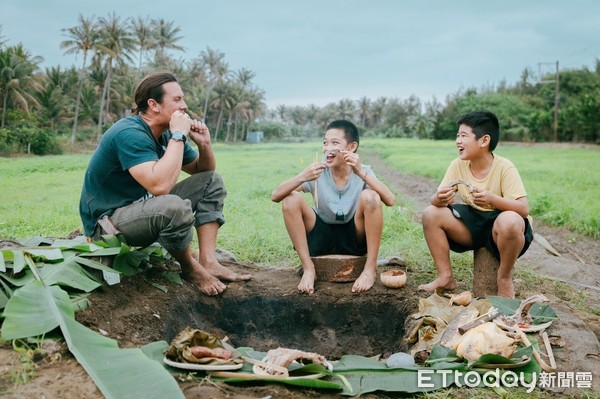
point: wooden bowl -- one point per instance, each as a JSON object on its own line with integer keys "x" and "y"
{"x": 395, "y": 278}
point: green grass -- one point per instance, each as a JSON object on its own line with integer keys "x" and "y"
{"x": 40, "y": 195}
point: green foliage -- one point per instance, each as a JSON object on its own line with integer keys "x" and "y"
{"x": 43, "y": 304}
{"x": 271, "y": 129}
{"x": 512, "y": 111}
{"x": 28, "y": 140}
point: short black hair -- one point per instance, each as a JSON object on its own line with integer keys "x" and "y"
{"x": 349, "y": 128}
{"x": 482, "y": 123}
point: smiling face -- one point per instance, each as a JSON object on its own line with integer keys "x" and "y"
{"x": 335, "y": 141}
{"x": 469, "y": 146}
{"x": 172, "y": 101}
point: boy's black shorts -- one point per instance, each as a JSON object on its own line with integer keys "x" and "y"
{"x": 334, "y": 239}
{"x": 480, "y": 224}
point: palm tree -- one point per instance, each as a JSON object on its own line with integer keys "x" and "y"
{"x": 281, "y": 111}
{"x": 217, "y": 69}
{"x": 224, "y": 101}
{"x": 17, "y": 79}
{"x": 52, "y": 99}
{"x": 116, "y": 43}
{"x": 82, "y": 38}
{"x": 164, "y": 36}
{"x": 421, "y": 125}
{"x": 144, "y": 38}
{"x": 364, "y": 110}
{"x": 345, "y": 108}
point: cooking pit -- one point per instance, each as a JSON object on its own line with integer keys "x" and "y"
{"x": 264, "y": 313}
{"x": 268, "y": 312}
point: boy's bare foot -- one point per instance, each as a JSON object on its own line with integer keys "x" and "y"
{"x": 444, "y": 283}
{"x": 205, "y": 282}
{"x": 506, "y": 288}
{"x": 307, "y": 283}
{"x": 365, "y": 281}
{"x": 223, "y": 273}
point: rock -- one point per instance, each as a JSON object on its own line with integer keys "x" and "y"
{"x": 400, "y": 360}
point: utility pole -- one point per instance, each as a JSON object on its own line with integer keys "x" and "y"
{"x": 556, "y": 95}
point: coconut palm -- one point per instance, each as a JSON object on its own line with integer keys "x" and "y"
{"x": 224, "y": 101}
{"x": 18, "y": 81}
{"x": 165, "y": 35}
{"x": 217, "y": 70}
{"x": 144, "y": 39}
{"x": 115, "y": 45}
{"x": 364, "y": 110}
{"x": 345, "y": 108}
{"x": 52, "y": 99}
{"x": 82, "y": 38}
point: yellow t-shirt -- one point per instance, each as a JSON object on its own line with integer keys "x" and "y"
{"x": 503, "y": 180}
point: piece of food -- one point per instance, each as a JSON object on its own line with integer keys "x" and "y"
{"x": 483, "y": 339}
{"x": 203, "y": 351}
{"x": 463, "y": 299}
{"x": 279, "y": 359}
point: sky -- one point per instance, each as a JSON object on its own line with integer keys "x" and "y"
{"x": 321, "y": 51}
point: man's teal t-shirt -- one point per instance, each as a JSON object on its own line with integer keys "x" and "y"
{"x": 108, "y": 185}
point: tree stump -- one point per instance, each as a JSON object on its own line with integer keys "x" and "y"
{"x": 338, "y": 268}
{"x": 485, "y": 273}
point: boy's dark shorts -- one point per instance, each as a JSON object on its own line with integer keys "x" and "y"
{"x": 334, "y": 239}
{"x": 480, "y": 224}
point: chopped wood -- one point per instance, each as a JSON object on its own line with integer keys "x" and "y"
{"x": 549, "y": 349}
{"x": 484, "y": 318}
{"x": 535, "y": 353}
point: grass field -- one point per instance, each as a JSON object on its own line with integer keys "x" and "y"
{"x": 40, "y": 195}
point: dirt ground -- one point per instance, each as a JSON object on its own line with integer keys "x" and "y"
{"x": 135, "y": 313}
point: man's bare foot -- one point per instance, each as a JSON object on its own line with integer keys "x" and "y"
{"x": 223, "y": 273}
{"x": 506, "y": 288}
{"x": 439, "y": 283}
{"x": 205, "y": 282}
{"x": 307, "y": 283}
{"x": 365, "y": 281}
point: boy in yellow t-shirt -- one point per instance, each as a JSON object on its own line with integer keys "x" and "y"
{"x": 495, "y": 213}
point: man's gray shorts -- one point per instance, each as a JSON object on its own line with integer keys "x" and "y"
{"x": 168, "y": 219}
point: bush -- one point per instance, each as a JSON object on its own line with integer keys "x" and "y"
{"x": 26, "y": 140}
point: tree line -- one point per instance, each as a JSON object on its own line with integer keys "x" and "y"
{"x": 37, "y": 107}
{"x": 526, "y": 110}
{"x": 42, "y": 110}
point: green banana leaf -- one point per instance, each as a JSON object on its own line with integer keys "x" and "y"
{"x": 69, "y": 273}
{"x": 2, "y": 264}
{"x": 36, "y": 309}
{"x": 539, "y": 313}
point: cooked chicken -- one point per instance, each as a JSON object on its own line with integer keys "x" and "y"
{"x": 483, "y": 339}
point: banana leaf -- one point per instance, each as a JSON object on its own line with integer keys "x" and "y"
{"x": 20, "y": 281}
{"x": 47, "y": 255}
{"x": 539, "y": 313}
{"x": 36, "y": 309}
{"x": 70, "y": 274}
{"x": 2, "y": 264}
